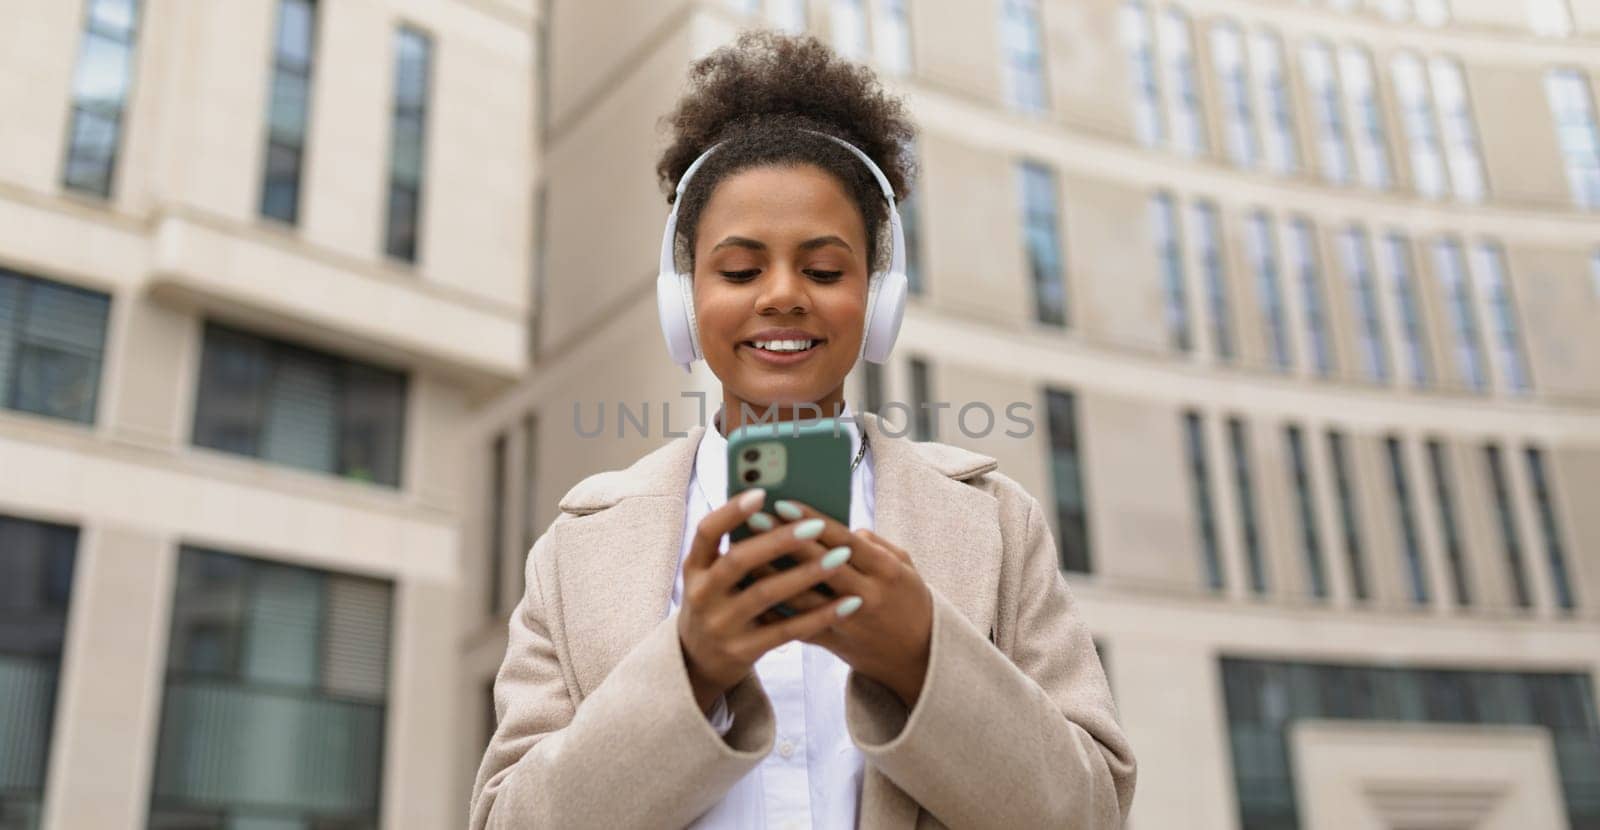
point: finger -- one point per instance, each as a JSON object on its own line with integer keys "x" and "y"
{"x": 798, "y": 627}
{"x": 834, "y": 533}
{"x": 761, "y": 549}
{"x": 792, "y": 587}
{"x": 704, "y": 549}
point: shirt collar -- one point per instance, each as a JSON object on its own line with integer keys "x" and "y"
{"x": 711, "y": 459}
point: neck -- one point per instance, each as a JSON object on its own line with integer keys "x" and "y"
{"x": 736, "y": 412}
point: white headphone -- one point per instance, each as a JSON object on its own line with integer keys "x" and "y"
{"x": 886, "y": 290}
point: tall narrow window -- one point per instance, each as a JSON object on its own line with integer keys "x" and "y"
{"x": 1139, "y": 40}
{"x": 1366, "y": 113}
{"x": 1041, "y": 221}
{"x": 1551, "y": 18}
{"x": 1451, "y": 267}
{"x": 1310, "y": 531}
{"x": 52, "y": 343}
{"x": 1169, "y": 255}
{"x": 413, "y": 56}
{"x": 1495, "y": 466}
{"x": 891, "y": 36}
{"x": 100, "y": 95}
{"x": 1349, "y": 518}
{"x": 1022, "y": 53}
{"x": 496, "y": 535}
{"x": 1405, "y": 515}
{"x": 923, "y": 426}
{"x": 1433, "y": 12}
{"x": 1306, "y": 262}
{"x": 1208, "y": 232}
{"x": 1333, "y": 146}
{"x": 910, "y": 209}
{"x": 1403, "y": 287}
{"x": 36, "y": 564}
{"x": 1228, "y": 56}
{"x": 530, "y": 480}
{"x": 1269, "y": 289}
{"x": 288, "y": 111}
{"x": 1572, "y": 108}
{"x": 1238, "y": 445}
{"x": 1421, "y": 125}
{"x": 788, "y": 15}
{"x": 1277, "y": 105}
{"x": 1490, "y": 267}
{"x": 1183, "y": 83}
{"x": 872, "y": 386}
{"x": 848, "y": 20}
{"x": 1594, "y": 274}
{"x": 1066, "y": 464}
{"x": 289, "y": 661}
{"x": 1200, "y": 480}
{"x": 1460, "y": 131}
{"x": 1356, "y": 253}
{"x": 1444, "y": 499}
{"x": 1550, "y": 527}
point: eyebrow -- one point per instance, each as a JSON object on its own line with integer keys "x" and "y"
{"x": 757, "y": 245}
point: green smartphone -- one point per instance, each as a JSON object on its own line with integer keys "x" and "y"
{"x": 804, "y": 461}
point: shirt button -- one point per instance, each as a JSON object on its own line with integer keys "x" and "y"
{"x": 786, "y": 749}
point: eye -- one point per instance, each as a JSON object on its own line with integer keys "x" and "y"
{"x": 741, "y": 276}
{"x": 825, "y": 276}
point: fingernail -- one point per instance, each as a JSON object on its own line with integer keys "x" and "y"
{"x": 760, "y": 521}
{"x": 752, "y": 499}
{"x": 848, "y": 607}
{"x": 808, "y": 529}
{"x": 787, "y": 509}
{"x": 836, "y": 557}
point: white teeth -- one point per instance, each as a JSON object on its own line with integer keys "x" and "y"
{"x": 784, "y": 345}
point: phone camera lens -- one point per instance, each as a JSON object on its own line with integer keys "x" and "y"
{"x": 752, "y": 475}
{"x": 752, "y": 455}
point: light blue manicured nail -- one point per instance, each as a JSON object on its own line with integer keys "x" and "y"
{"x": 808, "y": 529}
{"x": 760, "y": 521}
{"x": 787, "y": 509}
{"x": 848, "y": 607}
{"x": 836, "y": 557}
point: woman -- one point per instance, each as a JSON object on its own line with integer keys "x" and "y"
{"x": 947, "y": 682}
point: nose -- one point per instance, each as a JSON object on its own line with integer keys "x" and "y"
{"x": 783, "y": 291}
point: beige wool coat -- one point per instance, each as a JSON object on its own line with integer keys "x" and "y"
{"x": 598, "y": 727}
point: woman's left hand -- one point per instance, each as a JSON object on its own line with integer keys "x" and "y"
{"x": 888, "y": 638}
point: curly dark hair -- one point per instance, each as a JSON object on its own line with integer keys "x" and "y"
{"x": 758, "y": 97}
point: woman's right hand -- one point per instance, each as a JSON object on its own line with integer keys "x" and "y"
{"x": 717, "y": 623}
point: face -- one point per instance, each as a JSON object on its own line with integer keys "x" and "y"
{"x": 780, "y": 263}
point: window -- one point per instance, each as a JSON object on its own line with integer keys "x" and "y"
{"x": 1227, "y": 54}
{"x": 1139, "y": 41}
{"x": 1349, "y": 518}
{"x": 1041, "y": 222}
{"x": 910, "y": 209}
{"x": 745, "y": 6}
{"x": 848, "y": 19}
{"x": 1355, "y": 252}
{"x": 1208, "y": 226}
{"x": 1169, "y": 254}
{"x": 891, "y": 36}
{"x": 1405, "y": 515}
{"x": 1402, "y": 284}
{"x": 1183, "y": 83}
{"x": 1066, "y": 475}
{"x": 1310, "y": 532}
{"x": 36, "y": 564}
{"x": 413, "y": 56}
{"x": 289, "y": 662}
{"x": 1422, "y": 132}
{"x": 1444, "y": 499}
{"x": 287, "y": 111}
{"x": 872, "y": 381}
{"x": 541, "y": 263}
{"x": 788, "y": 15}
{"x": 1460, "y": 131}
{"x": 1366, "y": 115}
{"x": 1022, "y": 54}
{"x": 1266, "y": 54}
{"x": 1305, "y": 261}
{"x": 1494, "y": 466}
{"x": 1490, "y": 265}
{"x": 100, "y": 95}
{"x": 52, "y": 341}
{"x": 1263, "y": 248}
{"x": 1332, "y": 145}
{"x": 1550, "y": 527}
{"x": 294, "y": 406}
{"x": 923, "y": 426}
{"x": 1200, "y": 479}
{"x": 1594, "y": 273}
{"x": 1572, "y": 108}
{"x": 1433, "y": 12}
{"x": 530, "y": 480}
{"x": 1238, "y": 445}
{"x": 495, "y": 567}
{"x": 1551, "y": 18}
{"x": 1452, "y": 271}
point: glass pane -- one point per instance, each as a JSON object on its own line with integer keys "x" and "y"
{"x": 300, "y": 425}
{"x": 70, "y": 319}
{"x": 295, "y": 20}
{"x": 355, "y": 648}
{"x": 401, "y": 239}
{"x": 407, "y": 151}
{"x": 372, "y": 426}
{"x": 36, "y": 562}
{"x": 113, "y": 16}
{"x": 411, "y": 70}
{"x": 55, "y": 382}
{"x": 232, "y": 393}
{"x": 92, "y": 150}
{"x": 280, "y": 193}
{"x": 102, "y": 77}
{"x": 287, "y": 116}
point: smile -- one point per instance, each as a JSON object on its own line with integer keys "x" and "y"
{"x": 782, "y": 352}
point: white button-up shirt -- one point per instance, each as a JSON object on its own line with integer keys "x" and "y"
{"x": 812, "y": 777}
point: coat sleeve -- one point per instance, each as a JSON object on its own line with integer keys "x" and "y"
{"x": 1029, "y": 740}
{"x": 636, "y": 752}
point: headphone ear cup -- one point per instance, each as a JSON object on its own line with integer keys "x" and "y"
{"x": 885, "y": 310}
{"x": 677, "y": 325}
